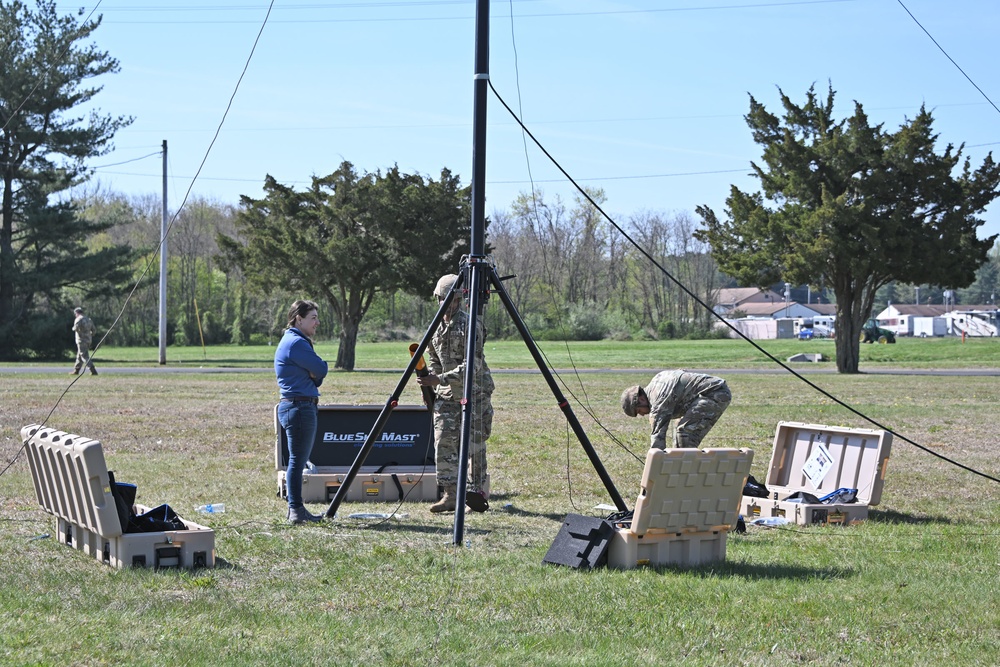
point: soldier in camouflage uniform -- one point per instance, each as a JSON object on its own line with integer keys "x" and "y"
{"x": 446, "y": 352}
{"x": 695, "y": 400}
{"x": 83, "y": 328}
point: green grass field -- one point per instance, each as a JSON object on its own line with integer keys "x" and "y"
{"x": 505, "y": 354}
{"x": 917, "y": 584}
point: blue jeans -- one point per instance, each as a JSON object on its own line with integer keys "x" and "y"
{"x": 298, "y": 421}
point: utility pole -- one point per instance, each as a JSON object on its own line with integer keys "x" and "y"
{"x": 163, "y": 264}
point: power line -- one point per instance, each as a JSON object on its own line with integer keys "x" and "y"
{"x": 941, "y": 48}
{"x": 396, "y": 19}
{"x": 719, "y": 317}
{"x": 115, "y": 164}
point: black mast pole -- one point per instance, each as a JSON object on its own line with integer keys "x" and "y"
{"x": 477, "y": 274}
{"x": 477, "y": 251}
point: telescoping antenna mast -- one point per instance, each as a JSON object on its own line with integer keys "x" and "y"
{"x": 477, "y": 275}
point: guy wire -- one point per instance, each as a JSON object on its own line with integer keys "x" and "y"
{"x": 719, "y": 317}
{"x": 153, "y": 254}
{"x": 534, "y": 205}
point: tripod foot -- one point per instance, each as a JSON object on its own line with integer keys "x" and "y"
{"x": 476, "y": 501}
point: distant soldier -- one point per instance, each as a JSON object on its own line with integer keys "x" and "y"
{"x": 83, "y": 327}
{"x": 694, "y": 399}
{"x": 446, "y": 351}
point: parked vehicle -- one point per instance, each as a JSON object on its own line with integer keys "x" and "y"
{"x": 872, "y": 332}
{"x": 809, "y": 330}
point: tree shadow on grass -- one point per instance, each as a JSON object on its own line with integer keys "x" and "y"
{"x": 745, "y": 570}
{"x": 892, "y": 516}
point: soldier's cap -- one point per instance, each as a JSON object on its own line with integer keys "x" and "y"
{"x": 630, "y": 399}
{"x": 444, "y": 285}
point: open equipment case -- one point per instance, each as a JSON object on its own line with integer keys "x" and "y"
{"x": 399, "y": 467}
{"x": 72, "y": 482}
{"x": 853, "y": 458}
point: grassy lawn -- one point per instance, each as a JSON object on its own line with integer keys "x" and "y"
{"x": 917, "y": 584}
{"x": 506, "y": 354}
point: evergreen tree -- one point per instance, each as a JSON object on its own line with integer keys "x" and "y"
{"x": 44, "y": 73}
{"x": 350, "y": 237}
{"x": 849, "y": 205}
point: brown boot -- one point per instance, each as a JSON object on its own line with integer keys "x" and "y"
{"x": 446, "y": 504}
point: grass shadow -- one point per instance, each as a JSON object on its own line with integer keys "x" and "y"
{"x": 517, "y": 511}
{"x": 223, "y": 564}
{"x": 392, "y": 525}
{"x": 892, "y": 516}
{"x": 759, "y": 571}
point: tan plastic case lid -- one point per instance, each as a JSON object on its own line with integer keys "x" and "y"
{"x": 691, "y": 490}
{"x": 71, "y": 479}
{"x": 860, "y": 459}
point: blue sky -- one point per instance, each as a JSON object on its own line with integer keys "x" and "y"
{"x": 644, "y": 99}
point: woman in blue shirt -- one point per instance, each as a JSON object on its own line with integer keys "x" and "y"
{"x": 300, "y": 371}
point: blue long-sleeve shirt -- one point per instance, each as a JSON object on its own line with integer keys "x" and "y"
{"x": 300, "y": 371}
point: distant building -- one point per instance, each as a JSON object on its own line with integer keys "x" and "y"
{"x": 827, "y": 309}
{"x": 910, "y": 320}
{"x": 775, "y": 310}
{"x": 731, "y": 298}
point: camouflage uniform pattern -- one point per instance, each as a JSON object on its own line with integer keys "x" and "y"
{"x": 446, "y": 354}
{"x": 695, "y": 400}
{"x": 83, "y": 327}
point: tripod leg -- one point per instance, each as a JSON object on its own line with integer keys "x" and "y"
{"x": 390, "y": 404}
{"x": 560, "y": 398}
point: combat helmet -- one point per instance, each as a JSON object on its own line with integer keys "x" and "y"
{"x": 444, "y": 285}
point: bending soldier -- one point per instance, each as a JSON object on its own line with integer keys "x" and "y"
{"x": 694, "y": 399}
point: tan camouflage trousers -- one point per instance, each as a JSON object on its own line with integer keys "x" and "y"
{"x": 83, "y": 357}
{"x": 698, "y": 420}
{"x": 447, "y": 442}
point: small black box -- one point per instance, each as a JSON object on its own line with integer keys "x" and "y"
{"x": 582, "y": 542}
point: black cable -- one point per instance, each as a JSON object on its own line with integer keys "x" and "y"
{"x": 39, "y": 82}
{"x": 725, "y": 322}
{"x": 402, "y": 499}
{"x": 940, "y": 48}
{"x": 534, "y": 204}
{"x": 136, "y": 159}
{"x": 156, "y": 250}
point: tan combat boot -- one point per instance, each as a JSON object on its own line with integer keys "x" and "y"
{"x": 446, "y": 504}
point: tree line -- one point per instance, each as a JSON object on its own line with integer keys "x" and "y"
{"x": 845, "y": 205}
{"x": 570, "y": 275}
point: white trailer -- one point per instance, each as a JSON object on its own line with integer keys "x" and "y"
{"x": 972, "y": 323}
{"x": 927, "y": 327}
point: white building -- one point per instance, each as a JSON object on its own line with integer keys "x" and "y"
{"x": 910, "y": 320}
{"x": 732, "y": 298}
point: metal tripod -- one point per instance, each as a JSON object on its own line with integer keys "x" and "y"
{"x": 480, "y": 276}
